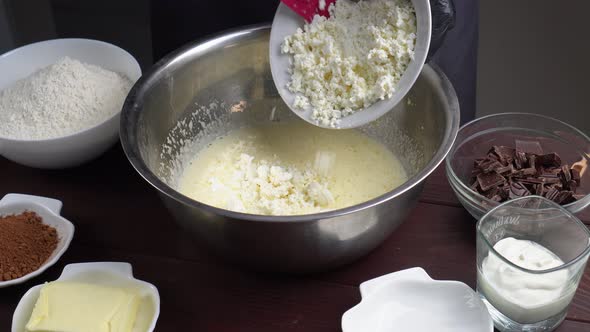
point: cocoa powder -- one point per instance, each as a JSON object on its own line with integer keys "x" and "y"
{"x": 25, "y": 244}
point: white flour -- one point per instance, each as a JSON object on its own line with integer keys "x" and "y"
{"x": 60, "y": 100}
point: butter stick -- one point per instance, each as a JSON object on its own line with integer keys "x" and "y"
{"x": 75, "y": 307}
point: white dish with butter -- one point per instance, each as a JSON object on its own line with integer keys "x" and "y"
{"x": 410, "y": 300}
{"x": 49, "y": 210}
{"x": 105, "y": 274}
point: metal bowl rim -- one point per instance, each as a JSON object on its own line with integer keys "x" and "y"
{"x": 132, "y": 108}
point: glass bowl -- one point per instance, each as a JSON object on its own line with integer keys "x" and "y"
{"x": 478, "y": 136}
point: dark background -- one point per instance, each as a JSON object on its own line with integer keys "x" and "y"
{"x": 151, "y": 29}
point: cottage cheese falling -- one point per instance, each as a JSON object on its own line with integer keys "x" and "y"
{"x": 351, "y": 60}
{"x": 290, "y": 169}
{"x": 61, "y": 99}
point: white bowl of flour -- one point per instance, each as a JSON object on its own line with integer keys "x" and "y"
{"x": 60, "y": 100}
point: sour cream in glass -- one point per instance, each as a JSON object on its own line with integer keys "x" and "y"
{"x": 522, "y": 296}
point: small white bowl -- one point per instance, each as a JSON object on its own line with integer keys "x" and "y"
{"x": 112, "y": 274}
{"x": 410, "y": 300}
{"x": 48, "y": 209}
{"x": 286, "y": 22}
{"x": 77, "y": 148}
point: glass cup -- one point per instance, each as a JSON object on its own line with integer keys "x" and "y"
{"x": 531, "y": 255}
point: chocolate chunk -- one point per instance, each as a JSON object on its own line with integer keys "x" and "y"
{"x": 504, "y": 192}
{"x": 475, "y": 172}
{"x": 575, "y": 174}
{"x": 549, "y": 160}
{"x": 516, "y": 174}
{"x": 506, "y": 173}
{"x": 550, "y": 179}
{"x": 529, "y": 171}
{"x": 565, "y": 174}
{"x": 478, "y": 162}
{"x": 552, "y": 194}
{"x": 489, "y": 180}
{"x": 548, "y": 174}
{"x": 572, "y": 185}
{"x": 504, "y": 151}
{"x": 565, "y": 197}
{"x": 520, "y": 160}
{"x": 492, "y": 192}
{"x": 529, "y": 186}
{"x": 531, "y": 161}
{"x": 539, "y": 189}
{"x": 505, "y": 154}
{"x": 489, "y": 165}
{"x": 532, "y": 147}
{"x": 566, "y": 177}
{"x": 474, "y": 185}
{"x": 505, "y": 170}
{"x": 493, "y": 156}
{"x": 533, "y": 180}
{"x": 496, "y": 198}
{"x": 517, "y": 189}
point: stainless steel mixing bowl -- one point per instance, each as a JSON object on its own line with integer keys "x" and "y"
{"x": 233, "y": 68}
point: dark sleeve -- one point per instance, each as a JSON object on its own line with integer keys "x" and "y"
{"x": 177, "y": 22}
{"x": 457, "y": 56}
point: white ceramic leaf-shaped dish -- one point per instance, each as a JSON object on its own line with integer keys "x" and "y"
{"x": 49, "y": 210}
{"x": 410, "y": 300}
{"x": 113, "y": 274}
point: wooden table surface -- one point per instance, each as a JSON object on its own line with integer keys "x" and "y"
{"x": 119, "y": 217}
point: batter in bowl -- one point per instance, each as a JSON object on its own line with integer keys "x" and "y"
{"x": 290, "y": 169}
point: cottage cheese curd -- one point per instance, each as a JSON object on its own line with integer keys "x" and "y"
{"x": 290, "y": 169}
{"x": 351, "y": 60}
